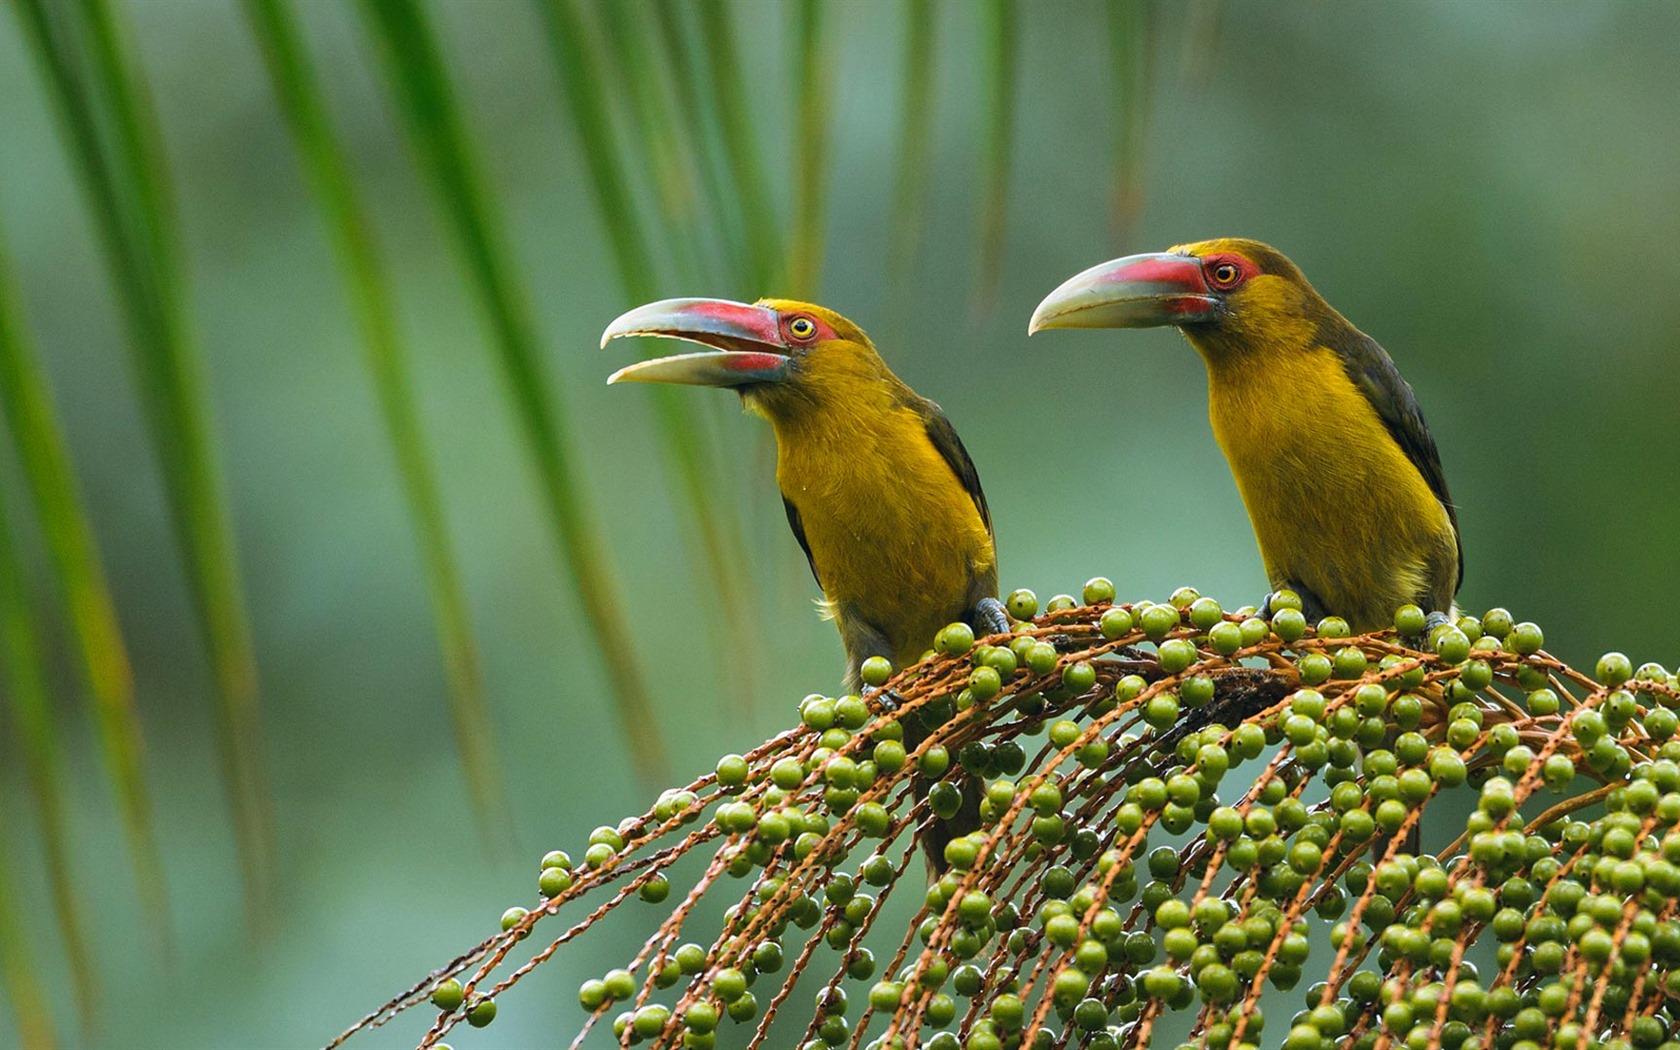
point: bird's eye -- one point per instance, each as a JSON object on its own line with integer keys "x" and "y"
{"x": 1225, "y": 274}
{"x": 802, "y": 328}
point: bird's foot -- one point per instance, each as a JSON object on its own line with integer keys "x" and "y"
{"x": 1431, "y": 623}
{"x": 990, "y": 617}
{"x": 889, "y": 699}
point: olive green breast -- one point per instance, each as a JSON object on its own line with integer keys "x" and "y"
{"x": 1335, "y": 503}
{"x": 894, "y": 538}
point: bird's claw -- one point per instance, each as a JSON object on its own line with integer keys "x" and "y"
{"x": 889, "y": 699}
{"x": 990, "y": 617}
{"x": 1430, "y": 623}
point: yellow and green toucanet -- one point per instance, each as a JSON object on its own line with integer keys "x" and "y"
{"x": 1329, "y": 448}
{"x": 878, "y": 488}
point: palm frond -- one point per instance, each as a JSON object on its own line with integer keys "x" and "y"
{"x": 697, "y": 133}
{"x": 582, "y": 84}
{"x": 1128, "y": 28}
{"x": 115, "y": 147}
{"x": 423, "y": 93}
{"x": 78, "y": 575}
{"x": 737, "y": 124}
{"x": 25, "y": 680}
{"x": 680, "y": 427}
{"x": 998, "y": 75}
{"x": 811, "y": 77}
{"x": 18, "y": 968}
{"x": 910, "y": 194}
{"x": 296, "y": 85}
{"x": 657, "y": 142}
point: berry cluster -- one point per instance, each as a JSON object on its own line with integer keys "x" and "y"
{"x": 1179, "y": 802}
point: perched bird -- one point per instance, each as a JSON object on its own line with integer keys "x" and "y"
{"x": 1326, "y": 440}
{"x": 878, "y": 488}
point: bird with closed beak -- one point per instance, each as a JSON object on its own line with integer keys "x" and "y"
{"x": 879, "y": 491}
{"x": 1336, "y": 466}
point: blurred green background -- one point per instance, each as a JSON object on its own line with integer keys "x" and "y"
{"x": 1487, "y": 189}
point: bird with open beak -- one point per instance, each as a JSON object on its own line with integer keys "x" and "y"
{"x": 878, "y": 488}
{"x": 1329, "y": 448}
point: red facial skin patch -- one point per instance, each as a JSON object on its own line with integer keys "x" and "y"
{"x": 745, "y": 361}
{"x": 1185, "y": 273}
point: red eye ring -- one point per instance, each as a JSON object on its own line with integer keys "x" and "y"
{"x": 1224, "y": 272}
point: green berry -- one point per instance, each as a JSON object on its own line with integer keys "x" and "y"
{"x": 1332, "y": 627}
{"x": 1451, "y": 644}
{"x": 731, "y": 771}
{"x": 1288, "y": 624}
{"x": 1070, "y": 986}
{"x": 961, "y": 853}
{"x": 553, "y": 881}
{"x": 650, "y": 1020}
{"x": 1205, "y": 612}
{"x": 954, "y": 640}
{"x": 1157, "y": 621}
{"x": 1226, "y": 637}
{"x": 1079, "y": 677}
{"x": 1115, "y": 622}
{"x": 1526, "y": 639}
{"x": 1022, "y": 604}
{"x": 448, "y": 995}
{"x": 875, "y": 671}
{"x": 1614, "y": 669}
{"x": 985, "y": 682}
{"x": 1176, "y": 655}
{"x": 1409, "y": 621}
{"x": 1315, "y": 668}
{"x": 1041, "y": 658}
{"x": 743, "y": 1009}
{"x": 701, "y": 1017}
{"x": 729, "y": 984}
{"x": 481, "y": 1013}
{"x": 934, "y": 761}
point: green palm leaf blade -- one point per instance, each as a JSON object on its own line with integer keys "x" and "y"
{"x": 699, "y": 134}
{"x": 998, "y": 76}
{"x": 740, "y": 145}
{"x": 18, "y": 968}
{"x": 115, "y": 148}
{"x": 1128, "y": 29}
{"x": 79, "y": 578}
{"x": 680, "y": 428}
{"x": 25, "y": 681}
{"x": 666, "y": 149}
{"x": 910, "y": 193}
{"x": 812, "y": 76}
{"x": 296, "y": 85}
{"x": 417, "y": 79}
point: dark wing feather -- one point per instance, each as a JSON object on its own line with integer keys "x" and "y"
{"x": 1373, "y": 372}
{"x": 950, "y": 446}
{"x": 798, "y": 528}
